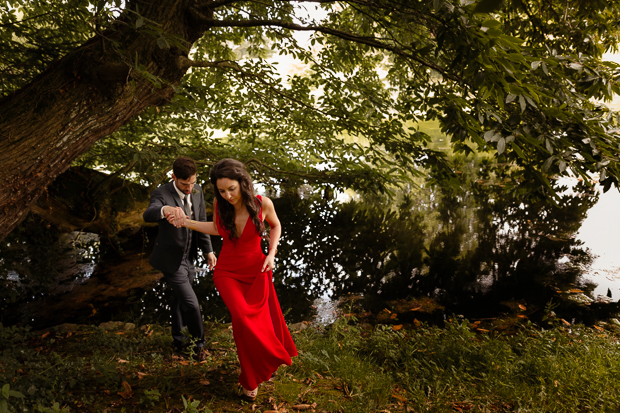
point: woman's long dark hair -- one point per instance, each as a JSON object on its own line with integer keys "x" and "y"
{"x": 233, "y": 169}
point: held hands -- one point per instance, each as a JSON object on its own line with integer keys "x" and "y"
{"x": 176, "y": 216}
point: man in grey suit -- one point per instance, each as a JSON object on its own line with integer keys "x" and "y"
{"x": 176, "y": 249}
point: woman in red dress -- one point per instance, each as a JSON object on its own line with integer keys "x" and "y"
{"x": 243, "y": 274}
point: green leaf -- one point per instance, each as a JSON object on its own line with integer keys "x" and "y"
{"x": 518, "y": 150}
{"x": 548, "y": 163}
{"x": 490, "y": 23}
{"x": 163, "y": 43}
{"x": 488, "y": 135}
{"x": 562, "y": 166}
{"x": 548, "y": 145}
{"x": 5, "y": 391}
{"x": 501, "y": 146}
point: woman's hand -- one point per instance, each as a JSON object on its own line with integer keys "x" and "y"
{"x": 268, "y": 265}
{"x": 176, "y": 216}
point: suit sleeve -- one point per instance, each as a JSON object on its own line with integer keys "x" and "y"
{"x": 153, "y": 212}
{"x": 203, "y": 240}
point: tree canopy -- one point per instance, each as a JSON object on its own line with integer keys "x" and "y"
{"x": 128, "y": 85}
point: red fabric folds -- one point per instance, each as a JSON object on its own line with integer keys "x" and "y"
{"x": 262, "y": 338}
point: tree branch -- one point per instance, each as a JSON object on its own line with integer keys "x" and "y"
{"x": 25, "y": 20}
{"x": 227, "y": 64}
{"x": 320, "y": 177}
{"x": 369, "y": 41}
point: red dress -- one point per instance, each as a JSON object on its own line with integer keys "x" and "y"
{"x": 262, "y": 338}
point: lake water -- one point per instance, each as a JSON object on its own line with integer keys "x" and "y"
{"x": 600, "y": 233}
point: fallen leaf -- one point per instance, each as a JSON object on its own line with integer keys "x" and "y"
{"x": 599, "y": 328}
{"x": 398, "y": 327}
{"x": 393, "y": 316}
{"x": 45, "y": 334}
{"x": 566, "y": 322}
{"x": 416, "y": 309}
{"x": 320, "y": 377}
{"x": 575, "y": 290}
{"x": 204, "y": 382}
{"x": 522, "y": 307}
{"x": 122, "y": 361}
{"x": 521, "y": 316}
{"x": 184, "y": 362}
{"x": 128, "y": 392}
{"x": 482, "y": 330}
{"x": 141, "y": 375}
{"x": 304, "y": 406}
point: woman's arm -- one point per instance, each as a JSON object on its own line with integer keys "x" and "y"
{"x": 200, "y": 226}
{"x": 179, "y": 219}
{"x": 269, "y": 214}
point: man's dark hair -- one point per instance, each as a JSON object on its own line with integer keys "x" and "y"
{"x": 184, "y": 167}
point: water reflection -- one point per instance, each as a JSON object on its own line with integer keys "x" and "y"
{"x": 473, "y": 249}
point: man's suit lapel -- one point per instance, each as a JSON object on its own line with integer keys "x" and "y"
{"x": 175, "y": 194}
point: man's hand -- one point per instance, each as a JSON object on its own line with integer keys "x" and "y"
{"x": 176, "y": 216}
{"x": 211, "y": 260}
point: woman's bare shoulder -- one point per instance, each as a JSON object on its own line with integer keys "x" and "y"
{"x": 266, "y": 202}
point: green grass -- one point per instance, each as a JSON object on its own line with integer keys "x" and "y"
{"x": 342, "y": 368}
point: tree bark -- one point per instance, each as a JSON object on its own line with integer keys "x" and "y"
{"x": 83, "y": 98}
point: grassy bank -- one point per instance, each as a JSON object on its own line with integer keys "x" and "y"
{"x": 346, "y": 367}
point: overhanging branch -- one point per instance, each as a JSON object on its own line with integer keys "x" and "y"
{"x": 367, "y": 40}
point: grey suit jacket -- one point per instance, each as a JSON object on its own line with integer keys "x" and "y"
{"x": 170, "y": 242}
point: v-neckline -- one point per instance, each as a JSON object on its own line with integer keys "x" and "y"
{"x": 246, "y": 224}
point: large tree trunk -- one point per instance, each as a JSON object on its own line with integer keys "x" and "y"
{"x": 84, "y": 97}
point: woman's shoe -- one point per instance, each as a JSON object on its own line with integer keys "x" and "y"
{"x": 250, "y": 395}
